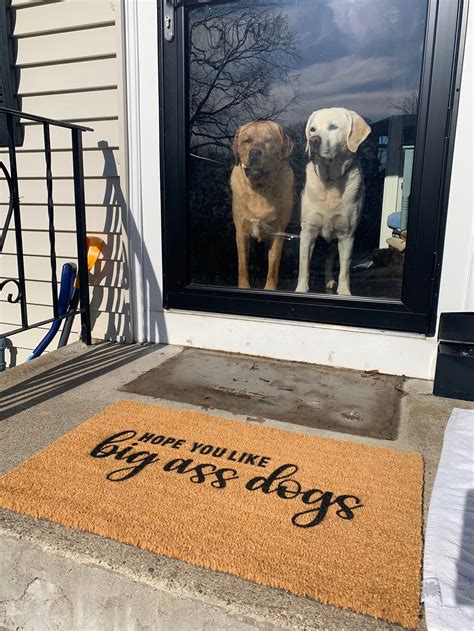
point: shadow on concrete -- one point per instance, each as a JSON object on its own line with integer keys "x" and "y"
{"x": 465, "y": 564}
{"x": 97, "y": 361}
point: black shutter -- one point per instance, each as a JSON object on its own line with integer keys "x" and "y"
{"x": 8, "y": 81}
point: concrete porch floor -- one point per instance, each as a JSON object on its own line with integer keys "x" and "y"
{"x": 57, "y": 578}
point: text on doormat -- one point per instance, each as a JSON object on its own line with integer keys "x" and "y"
{"x": 125, "y": 446}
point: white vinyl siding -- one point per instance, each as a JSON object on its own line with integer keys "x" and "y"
{"x": 69, "y": 62}
{"x": 98, "y": 74}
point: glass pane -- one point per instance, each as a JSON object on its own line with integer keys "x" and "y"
{"x": 301, "y": 130}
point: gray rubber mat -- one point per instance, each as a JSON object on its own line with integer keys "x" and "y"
{"x": 364, "y": 404}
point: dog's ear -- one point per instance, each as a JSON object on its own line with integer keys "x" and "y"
{"x": 235, "y": 147}
{"x": 358, "y": 130}
{"x": 286, "y": 146}
{"x": 308, "y": 125}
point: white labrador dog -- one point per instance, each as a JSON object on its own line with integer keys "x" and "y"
{"x": 333, "y": 195}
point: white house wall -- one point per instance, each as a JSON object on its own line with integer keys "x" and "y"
{"x": 70, "y": 64}
{"x": 457, "y": 279}
{"x": 362, "y": 349}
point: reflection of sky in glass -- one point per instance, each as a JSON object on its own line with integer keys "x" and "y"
{"x": 364, "y": 55}
{"x": 361, "y": 54}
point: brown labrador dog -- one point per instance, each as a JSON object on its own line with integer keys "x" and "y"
{"x": 262, "y": 193}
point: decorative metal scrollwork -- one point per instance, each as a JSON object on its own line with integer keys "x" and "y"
{"x": 16, "y": 288}
{"x": 10, "y": 298}
{"x": 8, "y": 218}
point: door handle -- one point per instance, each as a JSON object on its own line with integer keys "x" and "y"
{"x": 169, "y": 10}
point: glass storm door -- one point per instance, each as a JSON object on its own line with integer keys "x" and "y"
{"x": 305, "y": 155}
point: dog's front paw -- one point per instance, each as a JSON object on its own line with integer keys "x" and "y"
{"x": 302, "y": 288}
{"x": 343, "y": 290}
{"x": 331, "y": 284}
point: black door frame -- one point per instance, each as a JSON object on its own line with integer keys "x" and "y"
{"x": 438, "y": 104}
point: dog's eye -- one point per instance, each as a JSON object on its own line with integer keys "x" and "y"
{"x": 312, "y": 129}
{"x": 332, "y": 127}
{"x": 246, "y": 140}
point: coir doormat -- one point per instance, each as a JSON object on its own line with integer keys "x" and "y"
{"x": 333, "y": 520}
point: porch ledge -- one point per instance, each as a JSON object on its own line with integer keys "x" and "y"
{"x": 59, "y": 578}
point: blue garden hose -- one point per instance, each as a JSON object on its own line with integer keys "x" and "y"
{"x": 66, "y": 291}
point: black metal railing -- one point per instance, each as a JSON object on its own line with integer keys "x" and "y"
{"x": 17, "y": 286}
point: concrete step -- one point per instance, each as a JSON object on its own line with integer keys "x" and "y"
{"x": 57, "y": 578}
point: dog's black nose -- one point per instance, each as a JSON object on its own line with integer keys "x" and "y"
{"x": 315, "y": 140}
{"x": 255, "y": 154}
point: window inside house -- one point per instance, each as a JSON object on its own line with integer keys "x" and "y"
{"x": 300, "y": 152}
{"x": 302, "y": 125}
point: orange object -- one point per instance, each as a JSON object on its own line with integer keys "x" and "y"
{"x": 94, "y": 247}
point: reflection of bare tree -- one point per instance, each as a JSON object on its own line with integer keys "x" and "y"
{"x": 406, "y": 104}
{"x": 238, "y": 57}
